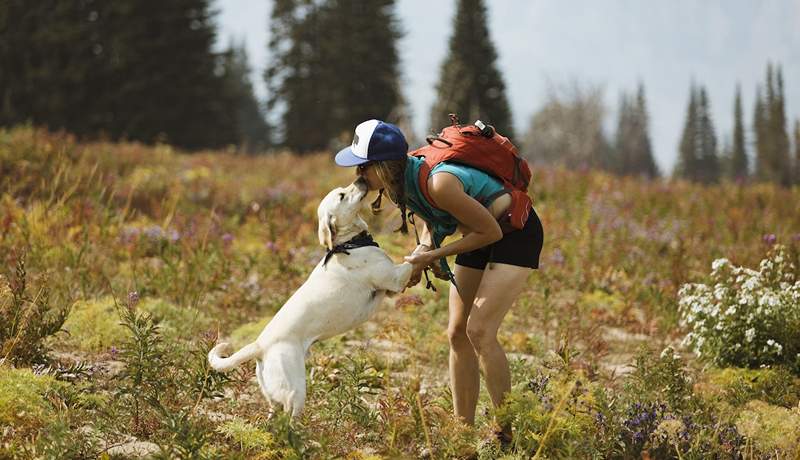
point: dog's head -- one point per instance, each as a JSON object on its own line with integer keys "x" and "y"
{"x": 338, "y": 212}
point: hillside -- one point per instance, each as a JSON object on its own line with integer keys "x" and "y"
{"x": 151, "y": 255}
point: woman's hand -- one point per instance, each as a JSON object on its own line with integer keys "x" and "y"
{"x": 420, "y": 259}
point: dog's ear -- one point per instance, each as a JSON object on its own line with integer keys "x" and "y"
{"x": 327, "y": 231}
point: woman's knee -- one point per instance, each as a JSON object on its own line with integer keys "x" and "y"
{"x": 457, "y": 335}
{"x": 480, "y": 337}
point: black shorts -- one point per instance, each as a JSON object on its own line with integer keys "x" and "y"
{"x": 520, "y": 247}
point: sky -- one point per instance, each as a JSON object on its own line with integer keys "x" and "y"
{"x": 613, "y": 44}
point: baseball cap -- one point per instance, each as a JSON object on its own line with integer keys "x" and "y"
{"x": 374, "y": 140}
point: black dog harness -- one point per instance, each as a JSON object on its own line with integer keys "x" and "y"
{"x": 359, "y": 241}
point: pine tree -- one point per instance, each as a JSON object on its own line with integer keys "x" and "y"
{"x": 644, "y": 161}
{"x": 687, "y": 166}
{"x": 738, "y": 156}
{"x": 623, "y": 152}
{"x": 470, "y": 84}
{"x": 169, "y": 86}
{"x": 136, "y": 69}
{"x": 780, "y": 138}
{"x": 252, "y": 130}
{"x": 762, "y": 170}
{"x": 797, "y": 152}
{"x": 335, "y": 64}
{"x": 772, "y": 140}
{"x": 708, "y": 159}
{"x": 48, "y": 52}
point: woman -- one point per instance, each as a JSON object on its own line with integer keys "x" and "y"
{"x": 491, "y": 269}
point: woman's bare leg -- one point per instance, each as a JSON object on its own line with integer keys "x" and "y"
{"x": 464, "y": 372}
{"x": 498, "y": 289}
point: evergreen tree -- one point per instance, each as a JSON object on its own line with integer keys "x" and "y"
{"x": 797, "y": 152}
{"x": 136, "y": 69}
{"x": 48, "y": 51}
{"x": 709, "y": 170}
{"x": 643, "y": 159}
{"x": 470, "y": 85}
{"x": 780, "y": 138}
{"x": 252, "y": 130}
{"x": 335, "y": 64}
{"x": 738, "y": 155}
{"x": 170, "y": 87}
{"x": 762, "y": 171}
{"x": 772, "y": 140}
{"x": 623, "y": 152}
{"x": 687, "y": 166}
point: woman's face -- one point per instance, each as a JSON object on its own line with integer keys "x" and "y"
{"x": 370, "y": 174}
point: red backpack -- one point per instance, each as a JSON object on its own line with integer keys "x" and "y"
{"x": 481, "y": 147}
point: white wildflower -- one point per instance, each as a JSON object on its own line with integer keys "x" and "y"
{"x": 750, "y": 334}
{"x": 719, "y": 263}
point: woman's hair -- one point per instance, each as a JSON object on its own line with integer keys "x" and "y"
{"x": 392, "y": 174}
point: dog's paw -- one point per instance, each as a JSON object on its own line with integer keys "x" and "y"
{"x": 221, "y": 349}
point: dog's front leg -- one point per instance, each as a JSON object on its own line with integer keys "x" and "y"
{"x": 395, "y": 277}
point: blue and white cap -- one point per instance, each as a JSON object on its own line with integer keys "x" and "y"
{"x": 374, "y": 140}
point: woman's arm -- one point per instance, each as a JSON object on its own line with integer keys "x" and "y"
{"x": 448, "y": 193}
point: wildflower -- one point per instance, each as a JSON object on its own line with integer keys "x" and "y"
{"x": 557, "y": 257}
{"x": 719, "y": 263}
{"x": 154, "y": 232}
{"x": 770, "y": 239}
{"x": 750, "y": 334}
{"x": 272, "y": 246}
{"x": 227, "y": 239}
{"x": 113, "y": 351}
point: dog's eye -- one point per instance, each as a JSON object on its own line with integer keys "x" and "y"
{"x": 341, "y": 196}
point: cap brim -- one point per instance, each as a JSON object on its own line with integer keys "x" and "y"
{"x": 346, "y": 157}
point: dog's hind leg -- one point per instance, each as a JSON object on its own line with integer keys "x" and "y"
{"x": 282, "y": 376}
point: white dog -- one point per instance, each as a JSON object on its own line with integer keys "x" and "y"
{"x": 341, "y": 293}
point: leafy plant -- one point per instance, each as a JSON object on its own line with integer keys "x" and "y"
{"x": 25, "y": 319}
{"x": 746, "y": 318}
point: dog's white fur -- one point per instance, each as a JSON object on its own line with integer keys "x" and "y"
{"x": 336, "y": 298}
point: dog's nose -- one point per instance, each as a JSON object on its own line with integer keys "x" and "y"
{"x": 361, "y": 183}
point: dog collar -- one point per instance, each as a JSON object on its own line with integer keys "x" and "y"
{"x": 359, "y": 241}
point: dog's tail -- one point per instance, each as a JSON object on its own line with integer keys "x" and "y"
{"x": 219, "y": 363}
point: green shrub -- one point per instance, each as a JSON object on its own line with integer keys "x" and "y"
{"x": 773, "y": 430}
{"x": 24, "y": 402}
{"x": 95, "y": 325}
{"x": 252, "y": 439}
{"x": 25, "y": 319}
{"x": 737, "y": 386}
{"x": 744, "y": 317}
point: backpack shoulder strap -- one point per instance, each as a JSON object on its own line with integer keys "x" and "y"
{"x": 424, "y": 173}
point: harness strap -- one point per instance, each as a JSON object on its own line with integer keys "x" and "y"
{"x": 359, "y": 241}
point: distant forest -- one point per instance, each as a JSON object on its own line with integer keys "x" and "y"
{"x": 146, "y": 70}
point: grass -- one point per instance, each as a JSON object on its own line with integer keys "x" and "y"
{"x": 215, "y": 243}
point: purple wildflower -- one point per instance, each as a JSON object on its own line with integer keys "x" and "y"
{"x": 272, "y": 246}
{"x": 154, "y": 232}
{"x": 557, "y": 257}
{"x": 796, "y": 237}
{"x": 227, "y": 239}
{"x": 770, "y": 239}
{"x": 113, "y": 351}
{"x": 133, "y": 298}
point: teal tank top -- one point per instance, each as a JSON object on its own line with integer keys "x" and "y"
{"x": 477, "y": 184}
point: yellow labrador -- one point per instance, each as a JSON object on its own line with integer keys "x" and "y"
{"x": 342, "y": 292}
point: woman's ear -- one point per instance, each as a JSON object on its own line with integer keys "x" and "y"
{"x": 327, "y": 231}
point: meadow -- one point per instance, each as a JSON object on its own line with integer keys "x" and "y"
{"x": 122, "y": 264}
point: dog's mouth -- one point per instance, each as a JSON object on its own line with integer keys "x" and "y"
{"x": 361, "y": 185}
